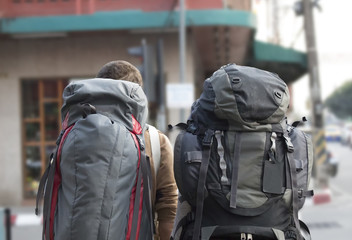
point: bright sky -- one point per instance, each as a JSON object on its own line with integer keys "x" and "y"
{"x": 334, "y": 44}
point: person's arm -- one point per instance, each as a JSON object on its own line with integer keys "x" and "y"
{"x": 166, "y": 190}
{"x": 165, "y": 229}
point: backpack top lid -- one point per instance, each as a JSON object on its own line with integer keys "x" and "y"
{"x": 241, "y": 98}
{"x": 121, "y": 101}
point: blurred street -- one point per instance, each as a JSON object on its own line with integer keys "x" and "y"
{"x": 327, "y": 221}
{"x": 333, "y": 220}
{"x": 26, "y": 226}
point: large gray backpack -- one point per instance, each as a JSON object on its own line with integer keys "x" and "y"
{"x": 97, "y": 184}
{"x": 241, "y": 170}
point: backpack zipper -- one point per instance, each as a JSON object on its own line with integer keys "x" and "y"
{"x": 246, "y": 236}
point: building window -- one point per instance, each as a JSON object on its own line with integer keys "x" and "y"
{"x": 41, "y": 103}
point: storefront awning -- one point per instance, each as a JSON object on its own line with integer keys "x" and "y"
{"x": 288, "y": 63}
{"x": 125, "y": 20}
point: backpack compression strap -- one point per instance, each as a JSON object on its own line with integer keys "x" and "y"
{"x": 143, "y": 182}
{"x": 44, "y": 188}
{"x": 235, "y": 166}
{"x": 41, "y": 186}
{"x": 293, "y": 176}
{"x": 206, "y": 144}
{"x": 51, "y": 178}
{"x": 48, "y": 187}
{"x": 55, "y": 187}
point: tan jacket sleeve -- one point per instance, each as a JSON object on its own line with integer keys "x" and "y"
{"x": 164, "y": 190}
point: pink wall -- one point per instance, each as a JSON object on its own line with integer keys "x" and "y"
{"x": 23, "y": 8}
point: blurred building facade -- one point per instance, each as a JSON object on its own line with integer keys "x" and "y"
{"x": 45, "y": 44}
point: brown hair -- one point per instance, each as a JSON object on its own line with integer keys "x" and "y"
{"x": 121, "y": 70}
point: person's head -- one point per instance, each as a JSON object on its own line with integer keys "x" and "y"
{"x": 121, "y": 70}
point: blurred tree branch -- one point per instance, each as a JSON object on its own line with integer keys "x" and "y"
{"x": 339, "y": 102}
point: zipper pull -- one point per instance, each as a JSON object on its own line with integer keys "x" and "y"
{"x": 141, "y": 144}
{"x": 249, "y": 236}
{"x": 243, "y": 236}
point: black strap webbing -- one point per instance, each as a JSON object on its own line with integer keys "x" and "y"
{"x": 48, "y": 189}
{"x": 40, "y": 194}
{"x": 297, "y": 123}
{"x": 293, "y": 175}
{"x": 305, "y": 193}
{"x": 42, "y": 182}
{"x": 207, "y": 142}
{"x": 48, "y": 199}
{"x": 182, "y": 126}
{"x": 146, "y": 174}
{"x": 235, "y": 166}
{"x": 184, "y": 221}
{"x": 45, "y": 190}
{"x": 305, "y": 228}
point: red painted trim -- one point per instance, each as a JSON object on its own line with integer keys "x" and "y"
{"x": 133, "y": 197}
{"x": 23, "y": 8}
{"x": 137, "y": 129}
{"x": 57, "y": 183}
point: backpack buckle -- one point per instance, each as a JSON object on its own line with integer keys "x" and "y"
{"x": 305, "y": 193}
{"x": 289, "y": 144}
{"x": 192, "y": 128}
{"x": 300, "y": 193}
{"x": 190, "y": 216}
{"x": 208, "y": 137}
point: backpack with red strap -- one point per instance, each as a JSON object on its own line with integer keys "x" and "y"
{"x": 97, "y": 184}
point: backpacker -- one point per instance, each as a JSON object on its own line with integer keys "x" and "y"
{"x": 241, "y": 170}
{"x": 97, "y": 184}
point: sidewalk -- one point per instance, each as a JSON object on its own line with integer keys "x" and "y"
{"x": 329, "y": 219}
{"x": 25, "y": 224}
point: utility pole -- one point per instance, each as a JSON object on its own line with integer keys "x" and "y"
{"x": 276, "y": 32}
{"x": 320, "y": 163}
{"x": 161, "y": 116}
{"x": 313, "y": 64}
{"x": 182, "y": 40}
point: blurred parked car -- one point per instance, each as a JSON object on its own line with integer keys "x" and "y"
{"x": 333, "y": 133}
{"x": 346, "y": 135}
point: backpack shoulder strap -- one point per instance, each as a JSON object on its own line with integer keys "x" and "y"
{"x": 206, "y": 148}
{"x": 155, "y": 146}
